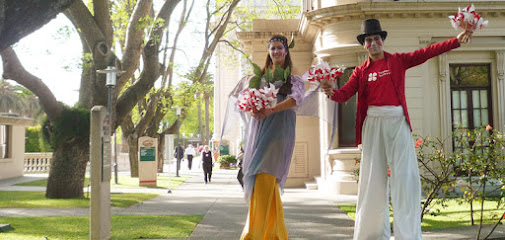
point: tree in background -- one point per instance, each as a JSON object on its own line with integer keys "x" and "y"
{"x": 66, "y": 128}
{"x": 19, "y": 100}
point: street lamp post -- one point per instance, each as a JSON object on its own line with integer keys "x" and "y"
{"x": 178, "y": 164}
{"x": 111, "y": 83}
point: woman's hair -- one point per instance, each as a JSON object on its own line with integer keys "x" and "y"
{"x": 286, "y": 87}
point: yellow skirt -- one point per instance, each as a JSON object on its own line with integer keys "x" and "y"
{"x": 266, "y": 215}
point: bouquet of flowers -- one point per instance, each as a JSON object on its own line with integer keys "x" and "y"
{"x": 323, "y": 72}
{"x": 468, "y": 19}
{"x": 252, "y": 99}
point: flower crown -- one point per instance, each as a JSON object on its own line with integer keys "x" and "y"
{"x": 284, "y": 41}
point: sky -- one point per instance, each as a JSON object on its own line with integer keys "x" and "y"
{"x": 53, "y": 53}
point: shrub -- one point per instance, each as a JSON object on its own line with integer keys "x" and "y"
{"x": 34, "y": 141}
{"x": 227, "y": 159}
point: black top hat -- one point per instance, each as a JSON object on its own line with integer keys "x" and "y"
{"x": 371, "y": 27}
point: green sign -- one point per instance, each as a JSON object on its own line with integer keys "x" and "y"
{"x": 147, "y": 154}
{"x": 224, "y": 150}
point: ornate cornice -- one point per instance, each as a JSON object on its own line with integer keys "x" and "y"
{"x": 312, "y": 21}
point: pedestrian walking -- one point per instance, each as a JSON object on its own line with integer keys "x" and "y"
{"x": 190, "y": 152}
{"x": 179, "y": 154}
{"x": 383, "y": 127}
{"x": 207, "y": 163}
{"x": 240, "y": 174}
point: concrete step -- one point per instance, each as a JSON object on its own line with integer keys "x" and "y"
{"x": 311, "y": 185}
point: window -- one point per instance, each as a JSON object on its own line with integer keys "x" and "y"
{"x": 5, "y": 141}
{"x": 470, "y": 99}
{"x": 346, "y": 115}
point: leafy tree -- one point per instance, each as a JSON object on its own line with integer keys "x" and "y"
{"x": 9, "y": 100}
{"x": 94, "y": 24}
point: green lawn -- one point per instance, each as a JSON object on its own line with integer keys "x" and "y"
{"x": 124, "y": 182}
{"x": 16, "y": 199}
{"x": 454, "y": 215}
{"x": 123, "y": 227}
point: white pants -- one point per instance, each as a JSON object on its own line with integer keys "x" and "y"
{"x": 387, "y": 141}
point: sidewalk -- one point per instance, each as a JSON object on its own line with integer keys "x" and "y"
{"x": 309, "y": 214}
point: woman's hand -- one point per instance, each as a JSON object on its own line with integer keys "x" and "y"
{"x": 327, "y": 88}
{"x": 465, "y": 36}
{"x": 261, "y": 114}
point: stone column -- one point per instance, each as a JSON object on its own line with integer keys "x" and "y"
{"x": 445, "y": 100}
{"x": 500, "y": 67}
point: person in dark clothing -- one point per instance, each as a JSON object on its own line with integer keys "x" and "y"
{"x": 179, "y": 154}
{"x": 240, "y": 175}
{"x": 207, "y": 164}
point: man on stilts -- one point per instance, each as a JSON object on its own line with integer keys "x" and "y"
{"x": 383, "y": 128}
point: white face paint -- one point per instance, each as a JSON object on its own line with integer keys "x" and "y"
{"x": 277, "y": 53}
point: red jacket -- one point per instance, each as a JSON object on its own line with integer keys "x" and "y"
{"x": 398, "y": 63}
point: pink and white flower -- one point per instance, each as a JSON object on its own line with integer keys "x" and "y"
{"x": 253, "y": 100}
{"x": 468, "y": 19}
{"x": 323, "y": 72}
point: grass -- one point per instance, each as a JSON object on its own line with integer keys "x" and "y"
{"x": 15, "y": 199}
{"x": 122, "y": 227}
{"x": 124, "y": 182}
{"x": 454, "y": 215}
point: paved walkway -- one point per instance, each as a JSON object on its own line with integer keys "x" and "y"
{"x": 309, "y": 214}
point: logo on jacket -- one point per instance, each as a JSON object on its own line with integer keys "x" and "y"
{"x": 372, "y": 77}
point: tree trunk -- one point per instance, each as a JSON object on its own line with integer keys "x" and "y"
{"x": 133, "y": 155}
{"x": 161, "y": 152}
{"x": 68, "y": 168}
{"x": 206, "y": 97}
{"x": 200, "y": 123}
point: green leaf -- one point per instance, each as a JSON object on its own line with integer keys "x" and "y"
{"x": 292, "y": 43}
{"x": 257, "y": 70}
{"x": 255, "y": 82}
{"x": 268, "y": 75}
{"x": 287, "y": 71}
{"x": 278, "y": 73}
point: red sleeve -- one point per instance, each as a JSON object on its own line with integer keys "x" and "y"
{"x": 417, "y": 57}
{"x": 349, "y": 89}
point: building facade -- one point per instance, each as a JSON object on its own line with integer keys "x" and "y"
{"x": 464, "y": 87}
{"x": 12, "y": 145}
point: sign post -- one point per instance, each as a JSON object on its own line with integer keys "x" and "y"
{"x": 169, "y": 149}
{"x": 148, "y": 161}
{"x": 100, "y": 158}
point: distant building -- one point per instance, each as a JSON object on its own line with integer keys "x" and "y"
{"x": 12, "y": 145}
{"x": 464, "y": 87}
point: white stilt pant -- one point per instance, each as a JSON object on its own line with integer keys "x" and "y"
{"x": 387, "y": 141}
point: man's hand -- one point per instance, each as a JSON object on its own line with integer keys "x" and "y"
{"x": 327, "y": 88}
{"x": 465, "y": 36}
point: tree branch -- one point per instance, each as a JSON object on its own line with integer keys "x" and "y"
{"x": 81, "y": 18}
{"x": 102, "y": 18}
{"x": 13, "y": 69}
{"x": 20, "y": 18}
{"x": 134, "y": 43}
{"x": 234, "y": 48}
